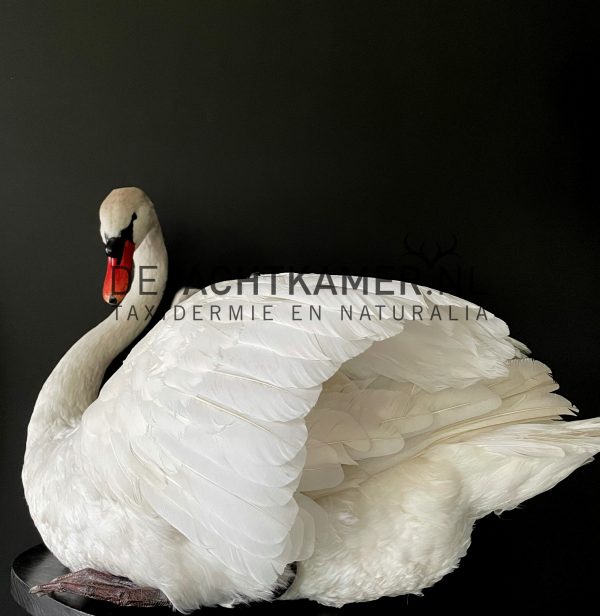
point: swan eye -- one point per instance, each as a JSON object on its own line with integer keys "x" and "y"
{"x": 127, "y": 232}
{"x": 114, "y": 245}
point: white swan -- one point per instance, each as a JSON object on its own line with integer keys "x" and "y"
{"x": 227, "y": 448}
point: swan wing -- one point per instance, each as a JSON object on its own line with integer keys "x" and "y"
{"x": 204, "y": 423}
{"x": 453, "y": 371}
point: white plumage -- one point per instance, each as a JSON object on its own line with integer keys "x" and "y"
{"x": 226, "y": 448}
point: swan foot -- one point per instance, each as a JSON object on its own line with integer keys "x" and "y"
{"x": 104, "y": 587}
{"x": 285, "y": 581}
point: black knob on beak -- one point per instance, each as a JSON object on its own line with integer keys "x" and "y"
{"x": 109, "y": 247}
{"x": 114, "y": 247}
{"x": 112, "y": 300}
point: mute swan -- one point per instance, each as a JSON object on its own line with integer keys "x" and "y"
{"x": 307, "y": 423}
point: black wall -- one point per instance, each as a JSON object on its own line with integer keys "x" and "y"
{"x": 334, "y": 136}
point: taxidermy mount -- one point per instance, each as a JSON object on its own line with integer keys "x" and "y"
{"x": 287, "y": 447}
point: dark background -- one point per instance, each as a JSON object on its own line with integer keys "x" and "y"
{"x": 316, "y": 136}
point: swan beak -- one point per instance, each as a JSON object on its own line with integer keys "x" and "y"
{"x": 119, "y": 270}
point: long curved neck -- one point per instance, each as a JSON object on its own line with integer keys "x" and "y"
{"x": 75, "y": 381}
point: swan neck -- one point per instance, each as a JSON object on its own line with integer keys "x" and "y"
{"x": 75, "y": 381}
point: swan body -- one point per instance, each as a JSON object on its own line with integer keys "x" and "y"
{"x": 230, "y": 445}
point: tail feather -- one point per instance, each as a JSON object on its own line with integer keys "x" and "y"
{"x": 503, "y": 467}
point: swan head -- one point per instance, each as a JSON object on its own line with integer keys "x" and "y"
{"x": 126, "y": 217}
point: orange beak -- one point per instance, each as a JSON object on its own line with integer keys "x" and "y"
{"x": 119, "y": 275}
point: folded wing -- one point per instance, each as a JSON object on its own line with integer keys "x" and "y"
{"x": 204, "y": 424}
